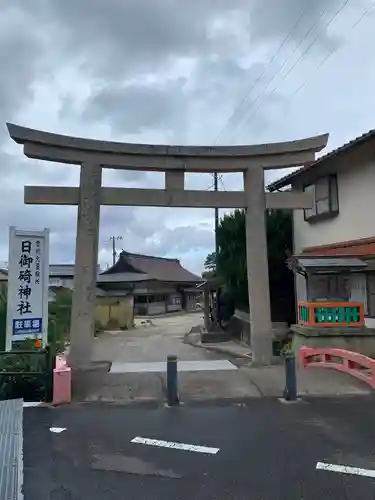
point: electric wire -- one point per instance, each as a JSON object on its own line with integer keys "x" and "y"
{"x": 333, "y": 50}
{"x": 299, "y": 60}
{"x": 237, "y": 109}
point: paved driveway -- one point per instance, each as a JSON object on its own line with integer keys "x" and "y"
{"x": 150, "y": 342}
{"x": 136, "y": 364}
{"x": 266, "y": 450}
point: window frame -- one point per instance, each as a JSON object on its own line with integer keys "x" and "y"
{"x": 332, "y": 188}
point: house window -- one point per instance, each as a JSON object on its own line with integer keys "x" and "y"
{"x": 325, "y": 196}
{"x": 141, "y": 299}
{"x": 371, "y": 294}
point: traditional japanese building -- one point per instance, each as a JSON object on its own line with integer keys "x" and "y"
{"x": 159, "y": 285}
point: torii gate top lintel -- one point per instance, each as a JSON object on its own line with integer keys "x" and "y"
{"x": 74, "y": 150}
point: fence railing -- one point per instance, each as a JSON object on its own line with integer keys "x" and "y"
{"x": 330, "y": 314}
{"x": 353, "y": 363}
{"x": 35, "y": 366}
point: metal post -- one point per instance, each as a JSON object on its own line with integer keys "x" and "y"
{"x": 50, "y": 363}
{"x": 290, "y": 391}
{"x": 172, "y": 389}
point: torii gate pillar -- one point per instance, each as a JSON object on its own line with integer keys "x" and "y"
{"x": 257, "y": 272}
{"x": 85, "y": 274}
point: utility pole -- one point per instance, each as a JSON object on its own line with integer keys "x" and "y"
{"x": 216, "y": 214}
{"x": 216, "y": 187}
{"x": 114, "y": 253}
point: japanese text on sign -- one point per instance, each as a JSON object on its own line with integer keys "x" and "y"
{"x": 24, "y": 278}
{"x": 27, "y": 285}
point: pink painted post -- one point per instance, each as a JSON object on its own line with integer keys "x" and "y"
{"x": 62, "y": 382}
{"x": 302, "y": 356}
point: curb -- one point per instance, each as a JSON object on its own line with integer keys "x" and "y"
{"x": 219, "y": 349}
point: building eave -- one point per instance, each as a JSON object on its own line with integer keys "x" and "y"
{"x": 288, "y": 179}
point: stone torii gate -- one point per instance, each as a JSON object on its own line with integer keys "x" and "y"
{"x": 94, "y": 155}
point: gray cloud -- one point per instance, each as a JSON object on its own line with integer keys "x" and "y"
{"x": 134, "y": 108}
{"x": 154, "y": 71}
{"x": 116, "y": 38}
{"x": 20, "y": 62}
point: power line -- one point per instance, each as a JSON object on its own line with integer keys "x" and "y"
{"x": 222, "y": 183}
{"x": 213, "y": 183}
{"x": 233, "y": 117}
{"x": 285, "y": 61}
{"x": 333, "y": 51}
{"x": 299, "y": 60}
{"x": 237, "y": 109}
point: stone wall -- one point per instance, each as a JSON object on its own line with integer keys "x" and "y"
{"x": 239, "y": 327}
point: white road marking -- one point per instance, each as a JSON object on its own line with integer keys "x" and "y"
{"x": 57, "y": 430}
{"x": 175, "y": 446}
{"x": 346, "y": 469}
{"x": 182, "y": 366}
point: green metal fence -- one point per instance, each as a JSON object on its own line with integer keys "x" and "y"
{"x": 27, "y": 374}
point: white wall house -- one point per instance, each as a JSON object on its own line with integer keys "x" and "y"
{"x": 335, "y": 239}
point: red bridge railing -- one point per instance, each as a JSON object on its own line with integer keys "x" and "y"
{"x": 353, "y": 363}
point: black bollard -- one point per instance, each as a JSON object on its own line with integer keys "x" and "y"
{"x": 290, "y": 391}
{"x": 172, "y": 389}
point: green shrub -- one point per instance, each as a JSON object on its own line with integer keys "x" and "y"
{"x": 33, "y": 387}
{"x": 3, "y": 318}
{"x": 59, "y": 314}
{"x": 28, "y": 387}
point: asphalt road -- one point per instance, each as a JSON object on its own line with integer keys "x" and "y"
{"x": 267, "y": 450}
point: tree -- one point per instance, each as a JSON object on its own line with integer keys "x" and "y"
{"x": 210, "y": 262}
{"x": 210, "y": 266}
{"x": 231, "y": 260}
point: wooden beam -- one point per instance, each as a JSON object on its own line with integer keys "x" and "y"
{"x": 56, "y": 195}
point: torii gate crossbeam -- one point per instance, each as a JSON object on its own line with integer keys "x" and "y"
{"x": 175, "y": 161}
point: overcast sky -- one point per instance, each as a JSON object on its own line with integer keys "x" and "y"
{"x": 177, "y": 72}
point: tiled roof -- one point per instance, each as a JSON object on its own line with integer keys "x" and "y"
{"x": 122, "y": 277}
{"x": 333, "y": 262}
{"x": 286, "y": 180}
{"x": 156, "y": 268}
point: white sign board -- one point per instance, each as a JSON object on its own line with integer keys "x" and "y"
{"x": 27, "y": 314}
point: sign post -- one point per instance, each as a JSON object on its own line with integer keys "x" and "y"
{"x": 28, "y": 276}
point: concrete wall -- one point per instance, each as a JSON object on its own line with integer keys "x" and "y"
{"x": 65, "y": 282}
{"x": 174, "y": 307}
{"x": 114, "y": 312}
{"x": 155, "y": 308}
{"x": 356, "y": 203}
